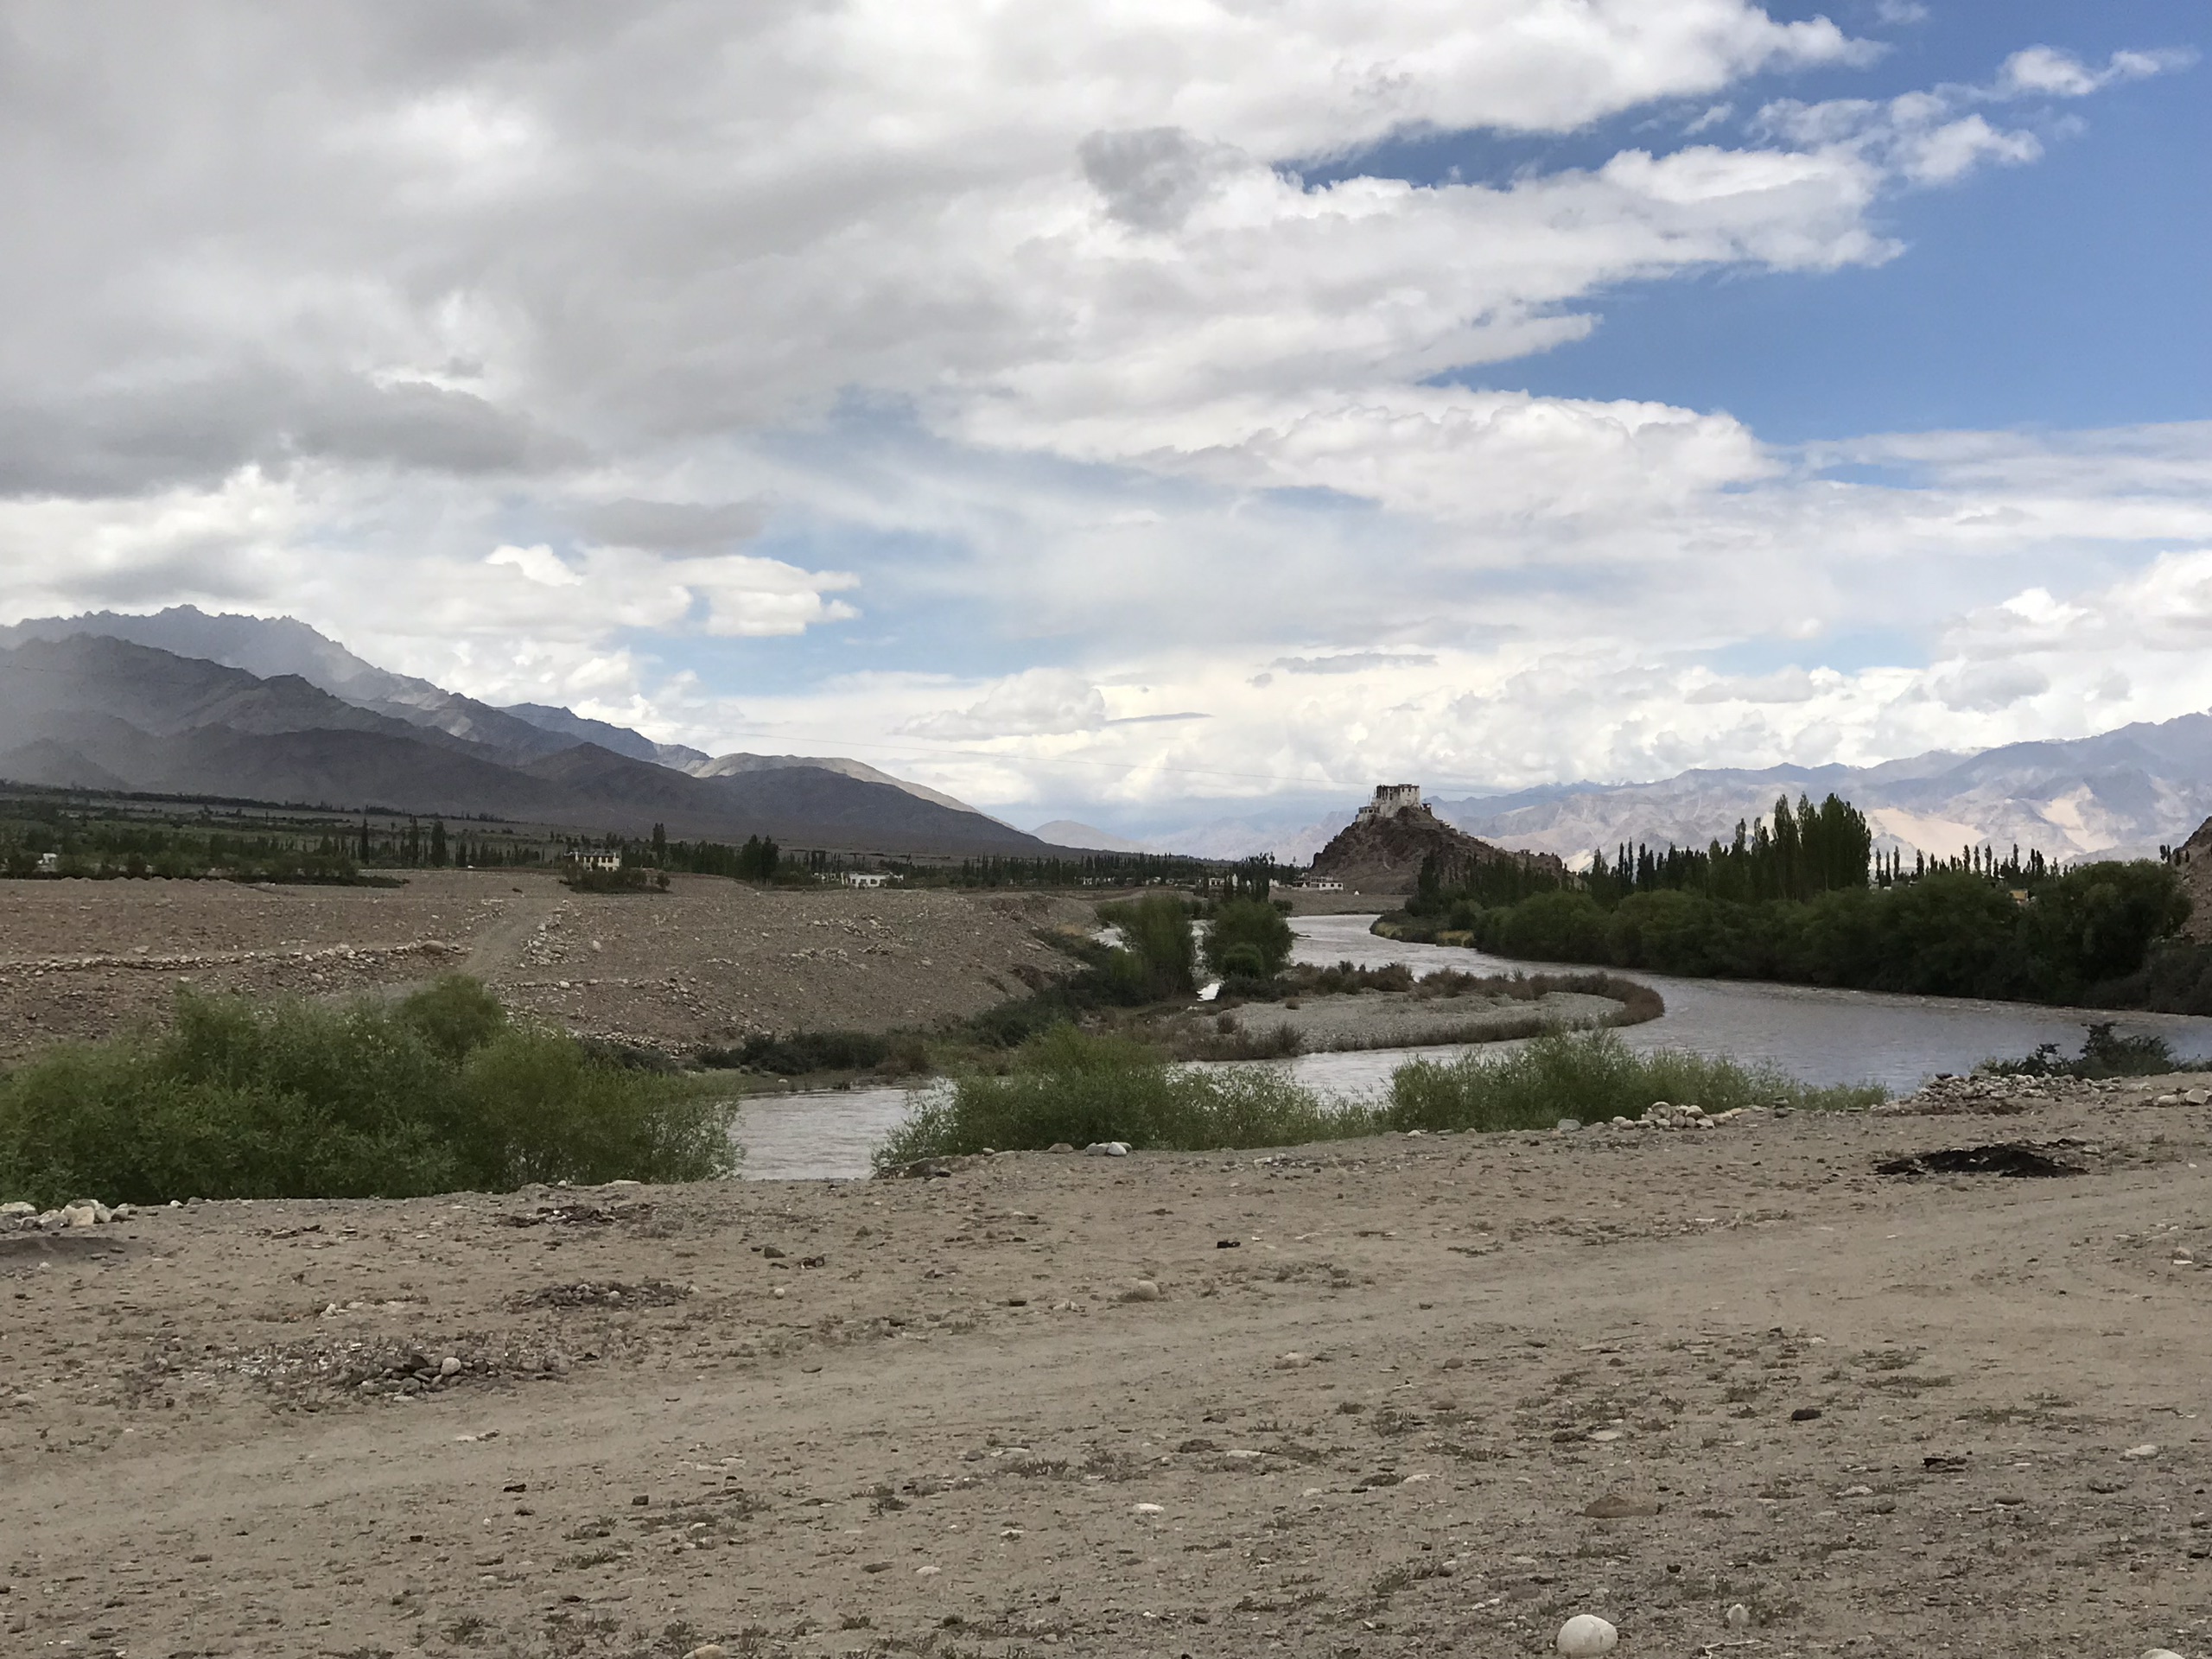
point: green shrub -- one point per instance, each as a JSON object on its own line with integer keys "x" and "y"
{"x": 2105, "y": 1053}
{"x": 440, "y": 1093}
{"x": 1588, "y": 1076}
{"x": 1155, "y": 957}
{"x": 1068, "y": 1086}
{"x": 1249, "y": 939}
{"x": 795, "y": 1053}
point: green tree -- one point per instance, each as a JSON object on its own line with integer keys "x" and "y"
{"x": 1249, "y": 939}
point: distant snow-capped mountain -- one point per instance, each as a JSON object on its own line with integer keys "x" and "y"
{"x": 2121, "y": 794}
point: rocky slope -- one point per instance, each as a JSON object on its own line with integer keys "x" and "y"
{"x": 1384, "y": 855}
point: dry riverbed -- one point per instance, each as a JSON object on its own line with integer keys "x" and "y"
{"x": 1410, "y": 1395}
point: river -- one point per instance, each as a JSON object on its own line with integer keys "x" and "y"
{"x": 1821, "y": 1036}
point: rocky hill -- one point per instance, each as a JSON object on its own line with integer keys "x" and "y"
{"x": 2194, "y": 860}
{"x": 1384, "y": 854}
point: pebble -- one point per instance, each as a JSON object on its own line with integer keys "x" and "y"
{"x": 2160, "y": 1653}
{"x": 1586, "y": 1633}
{"x": 1569, "y": 1125}
{"x": 450, "y": 1366}
{"x": 1108, "y": 1149}
{"x": 2145, "y": 1451}
{"x": 709, "y": 1650}
{"x": 1141, "y": 1290}
{"x": 1738, "y": 1617}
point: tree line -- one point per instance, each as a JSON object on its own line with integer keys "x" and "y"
{"x": 1801, "y": 898}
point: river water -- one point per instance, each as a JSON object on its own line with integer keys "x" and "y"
{"x": 1821, "y": 1036}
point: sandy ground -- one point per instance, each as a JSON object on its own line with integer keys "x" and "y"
{"x": 1442, "y": 1392}
{"x": 1397, "y": 1019}
{"x": 707, "y": 962}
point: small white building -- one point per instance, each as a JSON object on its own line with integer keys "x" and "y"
{"x": 49, "y": 863}
{"x": 1323, "y": 884}
{"x": 595, "y": 859}
{"x": 865, "y": 878}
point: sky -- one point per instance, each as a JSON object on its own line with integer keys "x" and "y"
{"x": 1146, "y": 412}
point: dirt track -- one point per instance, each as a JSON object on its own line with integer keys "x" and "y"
{"x": 1376, "y": 1426}
{"x": 709, "y": 961}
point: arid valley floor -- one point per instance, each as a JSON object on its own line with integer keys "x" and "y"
{"x": 707, "y": 962}
{"x": 1414, "y": 1395}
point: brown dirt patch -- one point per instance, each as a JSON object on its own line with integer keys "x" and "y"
{"x": 1447, "y": 1390}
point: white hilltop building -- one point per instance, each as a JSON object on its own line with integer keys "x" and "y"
{"x": 1390, "y": 799}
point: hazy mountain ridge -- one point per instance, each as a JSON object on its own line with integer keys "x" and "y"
{"x": 581, "y": 729}
{"x": 1068, "y": 832}
{"x": 2119, "y": 794}
{"x": 89, "y": 710}
{"x": 271, "y": 648}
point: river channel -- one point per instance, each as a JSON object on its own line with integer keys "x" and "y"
{"x": 1823, "y": 1036}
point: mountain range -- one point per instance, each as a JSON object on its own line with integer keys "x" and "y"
{"x": 182, "y": 701}
{"x": 2119, "y": 794}
{"x": 244, "y": 707}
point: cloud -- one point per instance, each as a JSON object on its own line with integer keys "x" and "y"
{"x": 539, "y": 563}
{"x": 1353, "y": 662}
{"x": 1087, "y": 356}
{"x": 1937, "y": 138}
{"x": 1986, "y": 687}
{"x": 667, "y": 525}
{"x": 1784, "y": 685}
{"x": 1041, "y": 703}
{"x": 2042, "y": 70}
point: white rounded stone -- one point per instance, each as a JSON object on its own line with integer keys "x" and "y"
{"x": 1587, "y": 1633}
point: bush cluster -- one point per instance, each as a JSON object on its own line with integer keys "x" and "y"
{"x": 2105, "y": 1053}
{"x": 1154, "y": 961}
{"x": 439, "y": 1092}
{"x": 1951, "y": 933}
{"x": 1590, "y": 1076}
{"x": 1247, "y": 939}
{"x": 798, "y": 1052}
{"x": 1068, "y": 1086}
